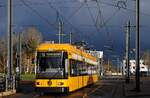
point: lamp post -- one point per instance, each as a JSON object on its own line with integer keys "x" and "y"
{"x": 137, "y": 45}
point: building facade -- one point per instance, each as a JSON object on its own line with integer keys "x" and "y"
{"x": 143, "y": 68}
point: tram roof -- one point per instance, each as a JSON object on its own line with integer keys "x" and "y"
{"x": 64, "y": 47}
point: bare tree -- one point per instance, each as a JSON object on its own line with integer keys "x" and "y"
{"x": 31, "y": 39}
{"x": 3, "y": 51}
{"x": 3, "y": 55}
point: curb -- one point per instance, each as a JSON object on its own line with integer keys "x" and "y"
{"x": 7, "y": 93}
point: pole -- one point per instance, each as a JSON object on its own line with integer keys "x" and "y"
{"x": 102, "y": 67}
{"x": 20, "y": 53}
{"x": 10, "y": 44}
{"x": 70, "y": 37}
{"x": 118, "y": 65}
{"x": 137, "y": 45}
{"x": 108, "y": 65}
{"x": 20, "y": 57}
{"x": 62, "y": 31}
{"x": 19, "y": 62}
{"x": 59, "y": 32}
{"x": 127, "y": 52}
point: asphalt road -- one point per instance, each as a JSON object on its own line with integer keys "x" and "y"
{"x": 110, "y": 87}
{"x": 102, "y": 89}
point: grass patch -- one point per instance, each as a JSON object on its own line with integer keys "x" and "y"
{"x": 28, "y": 77}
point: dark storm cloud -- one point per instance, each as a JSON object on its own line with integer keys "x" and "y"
{"x": 80, "y": 16}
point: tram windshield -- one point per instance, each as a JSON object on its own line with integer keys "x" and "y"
{"x": 50, "y": 64}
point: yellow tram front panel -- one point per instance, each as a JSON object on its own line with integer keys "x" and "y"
{"x": 51, "y": 83}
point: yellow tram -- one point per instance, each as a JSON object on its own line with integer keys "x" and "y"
{"x": 64, "y": 68}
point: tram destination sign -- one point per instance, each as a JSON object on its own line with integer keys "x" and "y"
{"x": 49, "y": 54}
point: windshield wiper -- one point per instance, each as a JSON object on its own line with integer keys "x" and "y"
{"x": 58, "y": 71}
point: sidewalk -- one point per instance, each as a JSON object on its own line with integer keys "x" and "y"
{"x": 7, "y": 93}
{"x": 129, "y": 89}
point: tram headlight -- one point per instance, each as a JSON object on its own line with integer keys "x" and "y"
{"x": 60, "y": 83}
{"x": 37, "y": 83}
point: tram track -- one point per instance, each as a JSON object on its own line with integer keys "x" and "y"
{"x": 92, "y": 91}
{"x": 102, "y": 89}
{"x": 81, "y": 93}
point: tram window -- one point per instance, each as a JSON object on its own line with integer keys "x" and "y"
{"x": 89, "y": 69}
{"x": 83, "y": 70}
{"x": 73, "y": 68}
{"x": 92, "y": 69}
{"x": 80, "y": 68}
